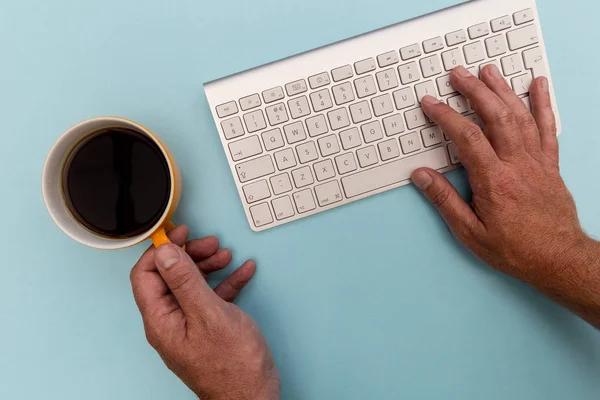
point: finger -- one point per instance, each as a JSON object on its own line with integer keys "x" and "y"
{"x": 229, "y": 289}
{"x": 474, "y": 149}
{"x": 544, "y": 117}
{"x": 216, "y": 262}
{"x": 199, "y": 249}
{"x": 490, "y": 75}
{"x": 149, "y": 289}
{"x": 500, "y": 125}
{"x": 183, "y": 278}
{"x": 459, "y": 217}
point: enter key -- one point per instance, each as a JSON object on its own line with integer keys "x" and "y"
{"x": 534, "y": 60}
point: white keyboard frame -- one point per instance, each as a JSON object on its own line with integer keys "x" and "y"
{"x": 349, "y": 51}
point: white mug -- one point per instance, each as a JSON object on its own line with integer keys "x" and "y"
{"x": 52, "y": 186}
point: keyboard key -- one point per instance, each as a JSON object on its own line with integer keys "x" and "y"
{"x": 495, "y": 62}
{"x": 523, "y": 16}
{"x": 250, "y": 102}
{"x": 478, "y": 30}
{"x": 245, "y": 148}
{"x": 343, "y": 93}
{"x": 360, "y": 112}
{"x": 425, "y": 88}
{"x": 415, "y": 118}
{"x": 256, "y": 191}
{"x": 387, "y": 79}
{"x": 296, "y": 87}
{"x": 393, "y": 125}
{"x": 255, "y": 121}
{"x": 431, "y": 45}
{"x": 409, "y": 52}
{"x": 321, "y": 100}
{"x": 459, "y": 104}
{"x": 388, "y": 150}
{"x": 364, "y": 66}
{"x": 512, "y": 64}
{"x": 350, "y": 138}
{"x": 452, "y": 58}
{"x": 431, "y": 136}
{"x": 522, "y": 37}
{"x": 499, "y": 24}
{"x": 365, "y": 86}
{"x": 277, "y": 114}
{"x": 304, "y": 201}
{"x": 367, "y": 156}
{"x": 474, "y": 52}
{"x": 324, "y": 170}
{"x": 280, "y": 183}
{"x": 232, "y": 128}
{"x": 521, "y": 83}
{"x": 328, "y": 193}
{"x": 345, "y": 163}
{"x": 453, "y": 155}
{"x": 261, "y": 215}
{"x": 527, "y": 102}
{"x": 299, "y": 107}
{"x": 283, "y": 207}
{"x": 496, "y": 45}
{"x": 392, "y": 173}
{"x": 410, "y": 143}
{"x": 456, "y": 37}
{"x": 338, "y": 119}
{"x": 329, "y": 145}
{"x": 319, "y": 80}
{"x": 316, "y": 125}
{"x": 227, "y": 109}
{"x": 302, "y": 177}
{"x": 272, "y": 139}
{"x": 409, "y": 73}
{"x": 307, "y": 152}
{"x": 294, "y": 133}
{"x": 371, "y": 131}
{"x": 341, "y": 73}
{"x": 273, "y": 94}
{"x": 404, "y": 98}
{"x": 430, "y": 66}
{"x": 444, "y": 85}
{"x": 389, "y": 58}
{"x": 382, "y": 105}
{"x": 534, "y": 60}
{"x": 255, "y": 168}
{"x": 285, "y": 159}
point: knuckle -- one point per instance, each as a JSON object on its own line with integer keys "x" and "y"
{"x": 504, "y": 117}
{"x": 440, "y": 197}
{"x": 470, "y": 132}
{"x": 526, "y": 121}
{"x": 181, "y": 278}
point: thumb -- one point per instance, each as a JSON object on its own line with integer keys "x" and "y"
{"x": 444, "y": 197}
{"x": 182, "y": 276}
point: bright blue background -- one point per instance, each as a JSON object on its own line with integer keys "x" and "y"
{"x": 374, "y": 300}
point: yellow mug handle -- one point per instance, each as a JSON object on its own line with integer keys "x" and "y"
{"x": 160, "y": 236}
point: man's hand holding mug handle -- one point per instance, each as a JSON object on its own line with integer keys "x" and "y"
{"x": 522, "y": 219}
{"x": 208, "y": 342}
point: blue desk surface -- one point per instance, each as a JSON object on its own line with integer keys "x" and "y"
{"x": 353, "y": 305}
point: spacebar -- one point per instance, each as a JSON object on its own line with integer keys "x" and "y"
{"x": 392, "y": 173}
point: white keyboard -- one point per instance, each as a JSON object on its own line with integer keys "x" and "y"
{"x": 340, "y": 123}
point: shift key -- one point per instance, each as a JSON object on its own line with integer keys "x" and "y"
{"x": 256, "y": 168}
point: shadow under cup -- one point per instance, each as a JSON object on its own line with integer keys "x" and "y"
{"x": 110, "y": 183}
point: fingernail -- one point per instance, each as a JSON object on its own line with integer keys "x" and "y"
{"x": 422, "y": 179}
{"x": 494, "y": 72}
{"x": 166, "y": 256}
{"x": 544, "y": 84}
{"x": 462, "y": 72}
{"x": 429, "y": 100}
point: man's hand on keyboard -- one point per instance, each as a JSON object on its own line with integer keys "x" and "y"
{"x": 207, "y": 341}
{"x": 522, "y": 219}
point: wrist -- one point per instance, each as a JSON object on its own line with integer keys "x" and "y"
{"x": 266, "y": 388}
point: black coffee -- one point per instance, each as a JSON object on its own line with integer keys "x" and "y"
{"x": 117, "y": 183}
